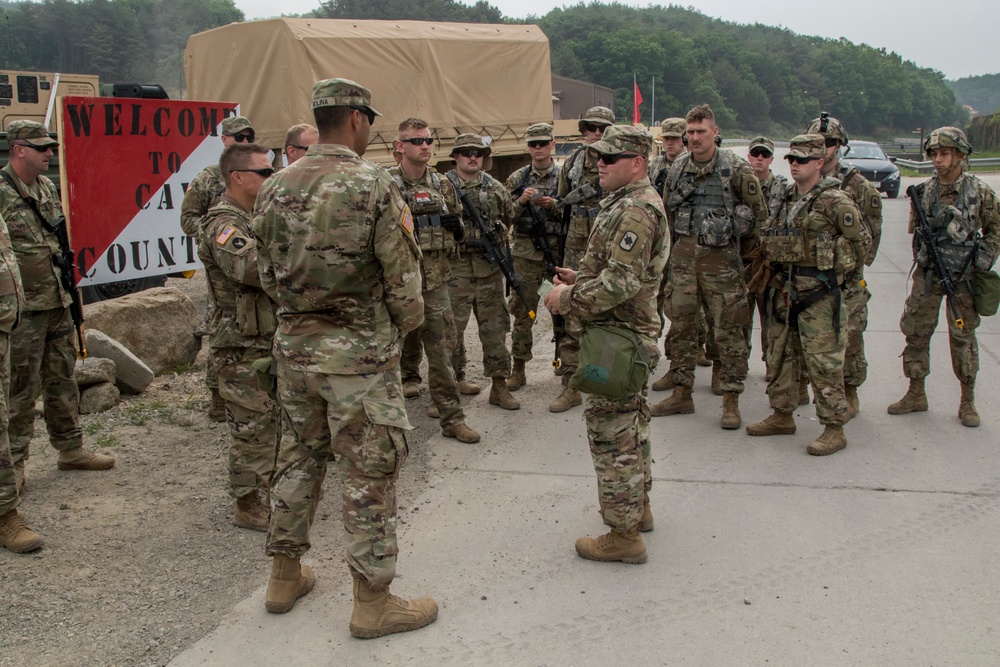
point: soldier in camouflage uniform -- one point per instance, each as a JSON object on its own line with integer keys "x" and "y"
{"x": 964, "y": 215}
{"x": 856, "y": 294}
{"x": 715, "y": 208}
{"x": 580, "y": 190}
{"x": 202, "y": 194}
{"x": 476, "y": 285}
{"x": 241, "y": 329}
{"x": 812, "y": 244}
{"x": 439, "y": 230}
{"x": 42, "y": 350}
{"x": 336, "y": 252}
{"x": 618, "y": 281}
{"x": 14, "y": 535}
{"x": 533, "y": 188}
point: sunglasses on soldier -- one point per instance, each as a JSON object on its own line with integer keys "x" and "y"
{"x": 612, "y": 159}
{"x": 40, "y": 149}
{"x": 470, "y": 153}
{"x": 368, "y": 113}
{"x": 266, "y": 172}
{"x": 760, "y": 152}
{"x": 416, "y": 141}
{"x": 245, "y": 137}
{"x": 538, "y": 144}
{"x": 591, "y": 127}
{"x": 800, "y": 160}
{"x": 830, "y": 143}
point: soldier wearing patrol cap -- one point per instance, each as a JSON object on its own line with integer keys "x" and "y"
{"x": 672, "y": 140}
{"x": 341, "y": 313}
{"x": 964, "y": 215}
{"x": 812, "y": 243}
{"x": 42, "y": 351}
{"x": 579, "y": 190}
{"x": 617, "y": 283}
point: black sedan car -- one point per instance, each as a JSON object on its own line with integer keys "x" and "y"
{"x": 874, "y": 165}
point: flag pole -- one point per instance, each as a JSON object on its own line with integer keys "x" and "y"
{"x": 652, "y": 119}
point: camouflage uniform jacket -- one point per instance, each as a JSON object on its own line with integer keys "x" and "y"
{"x": 580, "y": 169}
{"x": 869, "y": 201}
{"x": 202, "y": 194}
{"x": 34, "y": 246}
{"x": 773, "y": 188}
{"x": 435, "y": 266}
{"x": 336, "y": 253}
{"x": 659, "y": 167}
{"x": 620, "y": 274}
{"x": 244, "y": 315}
{"x": 546, "y": 181}
{"x": 493, "y": 204}
{"x": 11, "y": 290}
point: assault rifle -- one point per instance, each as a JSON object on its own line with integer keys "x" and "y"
{"x": 945, "y": 276}
{"x": 492, "y": 250}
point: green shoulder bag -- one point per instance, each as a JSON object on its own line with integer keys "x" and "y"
{"x": 986, "y": 292}
{"x": 613, "y": 362}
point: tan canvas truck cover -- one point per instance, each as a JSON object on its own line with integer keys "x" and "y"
{"x": 489, "y": 79}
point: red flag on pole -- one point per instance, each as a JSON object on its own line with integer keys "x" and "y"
{"x": 636, "y": 101}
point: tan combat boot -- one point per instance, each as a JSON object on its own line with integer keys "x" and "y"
{"x": 411, "y": 389}
{"x": 967, "y": 408}
{"x": 666, "y": 382}
{"x": 80, "y": 459}
{"x": 468, "y": 388}
{"x": 517, "y": 379}
{"x": 646, "y": 520}
{"x": 500, "y": 395}
{"x": 289, "y": 581}
{"x": 730, "y": 411}
{"x": 460, "y": 432}
{"x": 17, "y": 537}
{"x": 251, "y": 513}
{"x": 703, "y": 359}
{"x": 613, "y": 546}
{"x": 678, "y": 403}
{"x": 853, "y": 405}
{"x": 804, "y": 391}
{"x": 779, "y": 423}
{"x": 217, "y": 407}
{"x": 832, "y": 440}
{"x": 717, "y": 378}
{"x": 567, "y": 399}
{"x": 432, "y": 410}
{"x": 20, "y": 478}
{"x": 379, "y": 613}
{"x": 915, "y": 400}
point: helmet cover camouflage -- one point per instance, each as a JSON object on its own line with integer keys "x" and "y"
{"x": 597, "y": 116}
{"x": 948, "y": 137}
{"x": 834, "y": 130}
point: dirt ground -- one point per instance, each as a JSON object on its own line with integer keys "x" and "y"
{"x": 141, "y": 561}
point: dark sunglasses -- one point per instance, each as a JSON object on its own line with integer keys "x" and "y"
{"x": 799, "y": 160}
{"x": 612, "y": 159}
{"x": 471, "y": 152}
{"x": 266, "y": 172}
{"x": 538, "y": 144}
{"x": 40, "y": 149}
{"x": 830, "y": 143}
{"x": 245, "y": 137}
{"x": 590, "y": 127}
{"x": 416, "y": 141}
{"x": 301, "y": 148}
{"x": 368, "y": 113}
{"x": 761, "y": 152}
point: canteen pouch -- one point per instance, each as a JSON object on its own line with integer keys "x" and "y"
{"x": 986, "y": 292}
{"x": 613, "y": 362}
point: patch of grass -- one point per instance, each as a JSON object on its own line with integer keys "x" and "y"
{"x": 139, "y": 414}
{"x": 179, "y": 369}
{"x": 107, "y": 441}
{"x": 93, "y": 427}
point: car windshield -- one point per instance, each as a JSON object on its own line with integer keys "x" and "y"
{"x": 863, "y": 152}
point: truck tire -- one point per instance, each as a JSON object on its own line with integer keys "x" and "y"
{"x": 95, "y": 293}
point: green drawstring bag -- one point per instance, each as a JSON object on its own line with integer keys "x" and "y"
{"x": 986, "y": 292}
{"x": 613, "y": 362}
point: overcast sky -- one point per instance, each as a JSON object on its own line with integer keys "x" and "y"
{"x": 928, "y": 32}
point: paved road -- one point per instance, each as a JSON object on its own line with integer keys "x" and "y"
{"x": 882, "y": 554}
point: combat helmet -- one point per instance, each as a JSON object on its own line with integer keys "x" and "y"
{"x": 832, "y": 130}
{"x": 597, "y": 116}
{"x": 948, "y": 137}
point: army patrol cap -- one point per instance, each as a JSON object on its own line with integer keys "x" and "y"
{"x": 673, "y": 127}
{"x": 624, "y": 139}
{"x": 948, "y": 137}
{"x": 539, "y": 132}
{"x": 342, "y": 93}
{"x": 597, "y": 116}
{"x": 471, "y": 141}
{"x": 762, "y": 142}
{"x": 834, "y": 130}
{"x": 31, "y": 133}
{"x": 807, "y": 145}
{"x": 236, "y": 124}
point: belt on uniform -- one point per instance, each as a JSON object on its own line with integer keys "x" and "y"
{"x": 830, "y": 287}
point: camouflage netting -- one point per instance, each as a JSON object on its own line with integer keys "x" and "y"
{"x": 984, "y": 133}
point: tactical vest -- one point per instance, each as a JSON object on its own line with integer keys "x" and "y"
{"x": 707, "y": 209}
{"x": 955, "y": 227}
{"x": 427, "y": 207}
{"x": 580, "y": 211}
{"x": 525, "y": 222}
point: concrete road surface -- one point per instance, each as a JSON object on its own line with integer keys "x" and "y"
{"x": 882, "y": 554}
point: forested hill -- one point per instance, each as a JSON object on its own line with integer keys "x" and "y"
{"x": 757, "y": 78}
{"x": 982, "y": 93}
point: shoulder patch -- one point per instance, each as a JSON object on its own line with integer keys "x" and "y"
{"x": 848, "y": 219}
{"x": 752, "y": 187}
{"x": 224, "y": 236}
{"x": 239, "y": 243}
{"x": 876, "y": 201}
{"x": 628, "y": 241}
{"x": 406, "y": 220}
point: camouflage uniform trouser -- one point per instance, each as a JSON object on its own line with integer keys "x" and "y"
{"x": 42, "y": 350}
{"x": 8, "y": 481}
{"x": 920, "y": 318}
{"x": 252, "y": 418}
{"x": 437, "y": 336}
{"x": 618, "y": 432}
{"x": 532, "y": 274}
{"x": 816, "y": 344}
{"x": 484, "y": 296}
{"x": 856, "y": 300}
{"x": 569, "y": 348}
{"x": 358, "y": 421}
{"x": 703, "y": 333}
{"x": 702, "y": 276}
{"x": 761, "y": 307}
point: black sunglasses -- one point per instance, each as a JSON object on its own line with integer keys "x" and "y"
{"x": 40, "y": 149}
{"x": 799, "y": 160}
{"x": 416, "y": 141}
{"x": 760, "y": 152}
{"x": 245, "y": 137}
{"x": 301, "y": 148}
{"x": 367, "y": 112}
{"x": 830, "y": 143}
{"x": 266, "y": 172}
{"x": 538, "y": 144}
{"x": 471, "y": 152}
{"x": 611, "y": 159}
{"x": 590, "y": 127}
